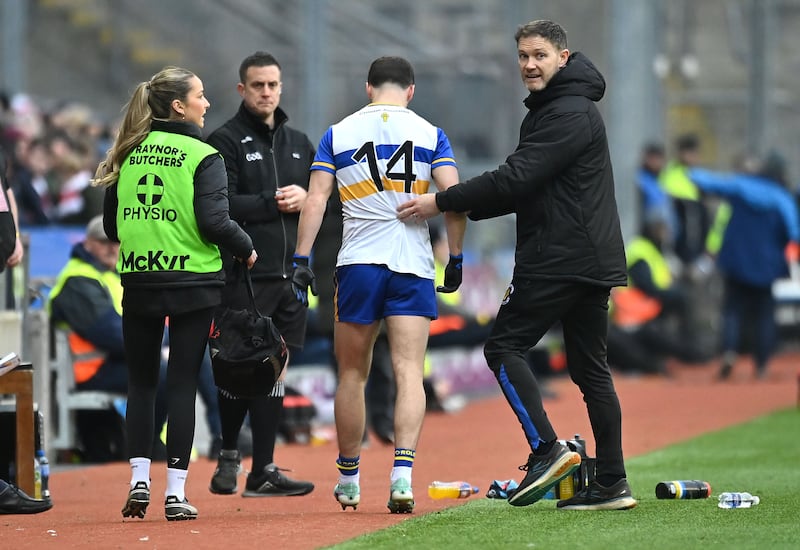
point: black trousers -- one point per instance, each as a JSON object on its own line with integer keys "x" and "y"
{"x": 529, "y": 309}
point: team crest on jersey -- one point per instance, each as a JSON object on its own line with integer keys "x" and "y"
{"x": 507, "y": 295}
{"x": 385, "y": 117}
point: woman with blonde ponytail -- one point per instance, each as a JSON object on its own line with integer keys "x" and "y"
{"x": 166, "y": 203}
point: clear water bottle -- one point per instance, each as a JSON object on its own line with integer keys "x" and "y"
{"x": 451, "y": 489}
{"x": 44, "y": 468}
{"x": 737, "y": 500}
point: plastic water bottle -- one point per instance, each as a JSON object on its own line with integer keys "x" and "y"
{"x": 451, "y": 489}
{"x": 737, "y": 500}
{"x": 44, "y": 468}
{"x": 37, "y": 479}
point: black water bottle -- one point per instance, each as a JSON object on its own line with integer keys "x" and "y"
{"x": 686, "y": 489}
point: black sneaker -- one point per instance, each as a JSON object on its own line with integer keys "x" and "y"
{"x": 229, "y": 464}
{"x": 138, "y": 499}
{"x": 597, "y": 497}
{"x": 270, "y": 482}
{"x": 543, "y": 472}
{"x": 178, "y": 510}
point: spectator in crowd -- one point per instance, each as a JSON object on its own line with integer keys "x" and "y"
{"x": 15, "y": 257}
{"x": 691, "y": 212}
{"x": 72, "y": 171}
{"x": 267, "y": 163}
{"x": 647, "y": 315}
{"x": 34, "y": 183}
{"x": 384, "y": 269}
{"x": 653, "y": 200}
{"x": 170, "y": 265}
{"x": 569, "y": 254}
{"x": 761, "y": 235}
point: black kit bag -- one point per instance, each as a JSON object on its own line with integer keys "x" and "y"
{"x": 247, "y": 351}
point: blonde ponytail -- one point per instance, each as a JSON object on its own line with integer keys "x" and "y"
{"x": 150, "y": 100}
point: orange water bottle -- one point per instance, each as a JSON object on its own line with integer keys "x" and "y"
{"x": 451, "y": 489}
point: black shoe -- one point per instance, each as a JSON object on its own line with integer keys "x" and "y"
{"x": 178, "y": 510}
{"x": 223, "y": 482}
{"x": 725, "y": 371}
{"x": 14, "y": 500}
{"x": 597, "y": 497}
{"x": 138, "y": 499}
{"x": 270, "y": 482}
{"x": 543, "y": 472}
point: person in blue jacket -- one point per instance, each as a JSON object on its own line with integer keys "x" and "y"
{"x": 763, "y": 225}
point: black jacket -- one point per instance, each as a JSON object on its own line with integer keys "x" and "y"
{"x": 259, "y": 160}
{"x": 559, "y": 182}
{"x": 197, "y": 290}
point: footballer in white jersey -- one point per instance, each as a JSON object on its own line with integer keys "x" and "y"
{"x": 382, "y": 156}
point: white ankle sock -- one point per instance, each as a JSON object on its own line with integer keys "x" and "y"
{"x": 400, "y": 471}
{"x": 140, "y": 470}
{"x": 349, "y": 479}
{"x": 176, "y": 481}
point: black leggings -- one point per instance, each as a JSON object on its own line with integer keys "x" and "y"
{"x": 143, "y": 335}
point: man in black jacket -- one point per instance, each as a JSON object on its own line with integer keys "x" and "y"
{"x": 569, "y": 253}
{"x": 267, "y": 163}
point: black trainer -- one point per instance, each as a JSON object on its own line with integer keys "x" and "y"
{"x": 138, "y": 500}
{"x": 597, "y": 497}
{"x": 229, "y": 465}
{"x": 178, "y": 510}
{"x": 270, "y": 482}
{"x": 543, "y": 472}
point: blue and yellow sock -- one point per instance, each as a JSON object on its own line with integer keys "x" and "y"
{"x": 348, "y": 469}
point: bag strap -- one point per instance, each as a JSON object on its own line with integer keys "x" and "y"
{"x": 249, "y": 283}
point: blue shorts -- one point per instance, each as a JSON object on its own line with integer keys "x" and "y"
{"x": 365, "y": 293}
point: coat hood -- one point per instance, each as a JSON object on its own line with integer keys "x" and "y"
{"x": 578, "y": 77}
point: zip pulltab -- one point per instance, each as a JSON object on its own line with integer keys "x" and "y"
{"x": 283, "y": 221}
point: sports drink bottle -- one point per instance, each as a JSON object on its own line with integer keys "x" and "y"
{"x": 451, "y": 489}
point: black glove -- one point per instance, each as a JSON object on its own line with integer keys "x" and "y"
{"x": 452, "y": 274}
{"x": 302, "y": 279}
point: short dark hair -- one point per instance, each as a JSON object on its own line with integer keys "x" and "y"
{"x": 687, "y": 142}
{"x": 258, "y": 59}
{"x": 391, "y": 69}
{"x": 549, "y": 30}
{"x": 653, "y": 148}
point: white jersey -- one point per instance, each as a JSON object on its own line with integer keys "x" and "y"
{"x": 382, "y": 156}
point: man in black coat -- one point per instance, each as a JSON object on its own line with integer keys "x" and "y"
{"x": 267, "y": 163}
{"x": 569, "y": 254}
